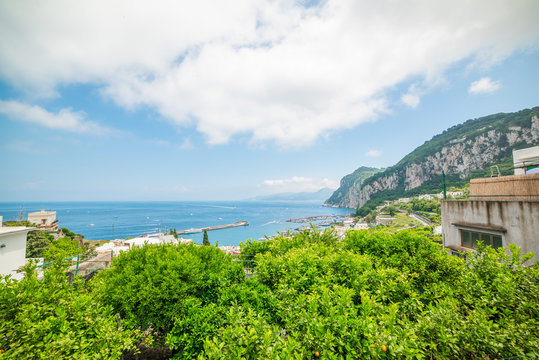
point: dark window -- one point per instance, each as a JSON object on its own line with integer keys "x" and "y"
{"x": 466, "y": 239}
{"x": 470, "y": 239}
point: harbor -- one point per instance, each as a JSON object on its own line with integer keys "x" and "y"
{"x": 211, "y": 228}
{"x": 318, "y": 218}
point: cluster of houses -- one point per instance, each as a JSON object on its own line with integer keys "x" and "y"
{"x": 119, "y": 245}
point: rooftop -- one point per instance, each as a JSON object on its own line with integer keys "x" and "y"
{"x": 42, "y": 212}
{"x": 4, "y": 230}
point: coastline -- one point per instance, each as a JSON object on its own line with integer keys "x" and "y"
{"x": 336, "y": 206}
{"x": 113, "y": 220}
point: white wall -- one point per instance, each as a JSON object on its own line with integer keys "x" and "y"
{"x": 37, "y": 217}
{"x": 13, "y": 254}
{"x": 525, "y": 156}
{"x": 520, "y": 219}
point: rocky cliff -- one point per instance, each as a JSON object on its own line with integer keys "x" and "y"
{"x": 460, "y": 151}
{"x": 349, "y": 189}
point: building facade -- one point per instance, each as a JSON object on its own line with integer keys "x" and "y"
{"x": 501, "y": 211}
{"x": 13, "y": 249}
{"x": 45, "y": 220}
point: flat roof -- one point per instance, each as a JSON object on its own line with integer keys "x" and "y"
{"x": 495, "y": 179}
{"x": 4, "y": 230}
{"x": 42, "y": 212}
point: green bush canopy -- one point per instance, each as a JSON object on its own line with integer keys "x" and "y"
{"x": 372, "y": 295}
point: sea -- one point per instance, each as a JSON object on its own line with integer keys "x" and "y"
{"x": 118, "y": 220}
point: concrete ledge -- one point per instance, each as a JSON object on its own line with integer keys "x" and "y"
{"x": 480, "y": 226}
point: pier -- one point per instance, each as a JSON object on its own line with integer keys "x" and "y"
{"x": 211, "y": 228}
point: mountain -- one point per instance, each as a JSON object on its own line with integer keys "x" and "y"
{"x": 319, "y": 195}
{"x": 350, "y": 187}
{"x": 462, "y": 151}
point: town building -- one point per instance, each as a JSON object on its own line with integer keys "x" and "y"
{"x": 501, "y": 211}
{"x": 44, "y": 220}
{"x": 12, "y": 249}
{"x": 119, "y": 245}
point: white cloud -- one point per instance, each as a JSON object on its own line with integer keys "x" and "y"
{"x": 410, "y": 100}
{"x": 484, "y": 86}
{"x": 299, "y": 184}
{"x": 373, "y": 153}
{"x": 186, "y": 145}
{"x": 65, "y": 119}
{"x": 270, "y": 70}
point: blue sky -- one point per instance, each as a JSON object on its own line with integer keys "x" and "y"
{"x": 133, "y": 100}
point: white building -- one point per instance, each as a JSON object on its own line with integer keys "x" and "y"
{"x": 12, "y": 249}
{"x": 119, "y": 245}
{"x": 526, "y": 161}
{"x": 45, "y": 220}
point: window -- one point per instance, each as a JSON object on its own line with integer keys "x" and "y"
{"x": 470, "y": 239}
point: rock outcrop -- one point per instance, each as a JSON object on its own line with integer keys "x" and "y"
{"x": 459, "y": 151}
{"x": 348, "y": 192}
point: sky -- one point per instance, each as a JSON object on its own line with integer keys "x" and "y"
{"x": 226, "y": 100}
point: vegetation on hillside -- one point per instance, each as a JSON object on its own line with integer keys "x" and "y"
{"x": 373, "y": 295}
{"x": 468, "y": 130}
{"x": 349, "y": 181}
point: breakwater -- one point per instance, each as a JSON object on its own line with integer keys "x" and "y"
{"x": 211, "y": 228}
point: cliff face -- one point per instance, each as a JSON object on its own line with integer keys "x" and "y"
{"x": 465, "y": 148}
{"x": 348, "y": 192}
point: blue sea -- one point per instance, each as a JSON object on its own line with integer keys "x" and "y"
{"x": 113, "y": 220}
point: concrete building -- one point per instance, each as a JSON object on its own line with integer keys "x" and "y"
{"x": 501, "y": 211}
{"x": 45, "y": 220}
{"x": 12, "y": 249}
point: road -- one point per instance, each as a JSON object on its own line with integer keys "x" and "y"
{"x": 421, "y": 219}
{"x": 97, "y": 262}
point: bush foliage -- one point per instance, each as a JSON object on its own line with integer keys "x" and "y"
{"x": 52, "y": 318}
{"x": 372, "y": 295}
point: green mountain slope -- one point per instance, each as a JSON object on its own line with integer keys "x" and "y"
{"x": 350, "y": 187}
{"x": 462, "y": 151}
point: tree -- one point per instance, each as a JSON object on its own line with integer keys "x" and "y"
{"x": 371, "y": 217}
{"x": 62, "y": 248}
{"x": 37, "y": 243}
{"x": 392, "y": 210}
{"x": 205, "y": 240}
{"x": 55, "y": 317}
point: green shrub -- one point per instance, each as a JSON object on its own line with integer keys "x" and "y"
{"x": 50, "y": 318}
{"x": 149, "y": 285}
{"x": 373, "y": 295}
{"x": 62, "y": 248}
